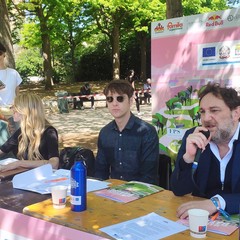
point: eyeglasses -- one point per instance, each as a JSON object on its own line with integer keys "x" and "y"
{"x": 119, "y": 99}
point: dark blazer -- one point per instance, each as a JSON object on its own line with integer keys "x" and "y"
{"x": 182, "y": 181}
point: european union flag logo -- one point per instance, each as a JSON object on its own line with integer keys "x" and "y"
{"x": 209, "y": 52}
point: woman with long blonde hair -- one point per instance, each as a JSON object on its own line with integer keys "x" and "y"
{"x": 36, "y": 141}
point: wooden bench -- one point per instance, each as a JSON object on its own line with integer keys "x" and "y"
{"x": 142, "y": 98}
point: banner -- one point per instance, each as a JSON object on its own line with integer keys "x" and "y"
{"x": 187, "y": 53}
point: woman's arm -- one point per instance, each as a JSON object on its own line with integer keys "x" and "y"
{"x": 54, "y": 161}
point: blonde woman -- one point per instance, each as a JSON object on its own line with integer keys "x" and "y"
{"x": 35, "y": 143}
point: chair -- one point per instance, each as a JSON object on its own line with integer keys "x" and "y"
{"x": 164, "y": 171}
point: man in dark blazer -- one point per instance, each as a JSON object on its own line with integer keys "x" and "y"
{"x": 217, "y": 175}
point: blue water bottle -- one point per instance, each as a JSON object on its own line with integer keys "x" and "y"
{"x": 78, "y": 196}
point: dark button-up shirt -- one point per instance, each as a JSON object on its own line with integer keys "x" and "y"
{"x": 131, "y": 154}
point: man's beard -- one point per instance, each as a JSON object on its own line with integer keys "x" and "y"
{"x": 223, "y": 135}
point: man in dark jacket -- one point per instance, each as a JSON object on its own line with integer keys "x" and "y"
{"x": 217, "y": 176}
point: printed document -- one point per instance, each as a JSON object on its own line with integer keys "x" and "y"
{"x": 148, "y": 227}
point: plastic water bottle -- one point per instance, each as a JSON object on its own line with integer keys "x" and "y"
{"x": 78, "y": 186}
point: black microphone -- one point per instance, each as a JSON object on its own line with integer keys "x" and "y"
{"x": 199, "y": 150}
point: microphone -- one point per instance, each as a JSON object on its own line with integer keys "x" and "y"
{"x": 199, "y": 150}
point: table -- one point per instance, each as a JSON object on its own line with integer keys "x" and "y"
{"x": 103, "y": 212}
{"x": 15, "y": 199}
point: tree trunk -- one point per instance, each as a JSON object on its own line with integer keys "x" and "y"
{"x": 46, "y": 49}
{"x": 116, "y": 51}
{"x": 5, "y": 33}
{"x": 142, "y": 36}
{"x": 174, "y": 8}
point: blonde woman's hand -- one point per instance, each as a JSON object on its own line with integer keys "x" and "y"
{"x": 9, "y": 166}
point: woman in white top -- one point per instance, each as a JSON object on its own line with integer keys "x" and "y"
{"x": 9, "y": 88}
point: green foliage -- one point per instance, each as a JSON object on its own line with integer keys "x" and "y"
{"x": 202, "y": 6}
{"x": 81, "y": 34}
{"x": 96, "y": 65}
{"x": 29, "y": 63}
{"x": 30, "y": 35}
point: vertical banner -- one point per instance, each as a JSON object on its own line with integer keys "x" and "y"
{"x": 187, "y": 53}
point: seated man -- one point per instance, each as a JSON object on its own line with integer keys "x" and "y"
{"x": 127, "y": 146}
{"x": 217, "y": 176}
{"x": 147, "y": 87}
{"x": 84, "y": 91}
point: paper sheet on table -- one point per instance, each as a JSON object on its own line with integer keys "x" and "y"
{"x": 150, "y": 227}
{"x": 41, "y": 179}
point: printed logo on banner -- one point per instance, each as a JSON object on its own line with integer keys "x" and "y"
{"x": 214, "y": 20}
{"x": 224, "y": 52}
{"x": 159, "y": 28}
{"x": 209, "y": 52}
{"x": 237, "y": 50}
{"x": 174, "y": 26}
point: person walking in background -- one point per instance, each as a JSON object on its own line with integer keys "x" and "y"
{"x": 9, "y": 88}
{"x": 130, "y": 78}
{"x": 128, "y": 147}
{"x": 147, "y": 89}
{"x": 217, "y": 176}
{"x": 35, "y": 143}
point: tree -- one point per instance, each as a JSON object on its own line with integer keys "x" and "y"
{"x": 145, "y": 12}
{"x": 5, "y": 32}
{"x": 42, "y": 11}
{"x": 174, "y": 8}
{"x": 109, "y": 16}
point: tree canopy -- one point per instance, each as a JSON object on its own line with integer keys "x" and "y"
{"x": 84, "y": 40}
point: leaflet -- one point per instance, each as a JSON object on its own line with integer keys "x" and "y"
{"x": 41, "y": 179}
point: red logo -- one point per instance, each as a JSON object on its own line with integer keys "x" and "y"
{"x": 159, "y": 28}
{"x": 214, "y": 17}
{"x": 214, "y": 20}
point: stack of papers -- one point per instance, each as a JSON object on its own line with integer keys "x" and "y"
{"x": 41, "y": 180}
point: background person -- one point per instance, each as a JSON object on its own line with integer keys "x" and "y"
{"x": 147, "y": 87}
{"x": 127, "y": 146}
{"x": 9, "y": 88}
{"x": 35, "y": 143}
{"x": 217, "y": 177}
{"x": 84, "y": 90}
{"x": 130, "y": 78}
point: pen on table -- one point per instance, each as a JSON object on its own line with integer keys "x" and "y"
{"x": 56, "y": 180}
{"x": 213, "y": 217}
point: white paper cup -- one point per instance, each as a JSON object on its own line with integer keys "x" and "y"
{"x": 198, "y": 220}
{"x": 59, "y": 196}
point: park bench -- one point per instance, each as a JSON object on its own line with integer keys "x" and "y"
{"x": 98, "y": 97}
{"x": 142, "y": 98}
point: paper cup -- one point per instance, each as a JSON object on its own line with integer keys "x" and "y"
{"x": 198, "y": 220}
{"x": 59, "y": 196}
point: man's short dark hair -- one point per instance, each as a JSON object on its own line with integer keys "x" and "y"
{"x": 228, "y": 95}
{"x": 2, "y": 48}
{"x": 120, "y": 87}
